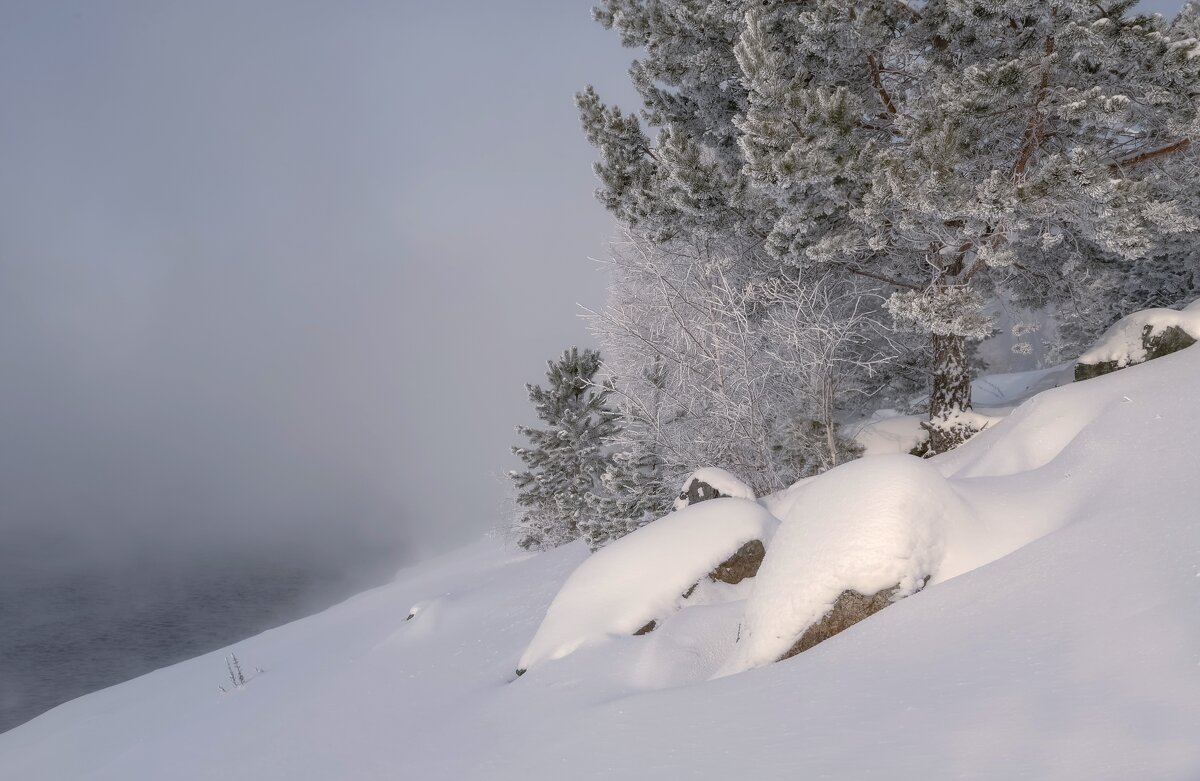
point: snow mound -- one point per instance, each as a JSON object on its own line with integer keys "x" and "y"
{"x": 865, "y": 526}
{"x": 642, "y": 576}
{"x": 887, "y": 432}
{"x": 1123, "y": 343}
{"x": 1033, "y": 436}
{"x": 726, "y": 483}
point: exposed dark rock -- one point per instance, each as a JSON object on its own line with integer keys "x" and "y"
{"x": 1086, "y": 371}
{"x": 520, "y": 673}
{"x": 849, "y": 608}
{"x": 698, "y": 491}
{"x": 744, "y": 563}
{"x": 647, "y": 629}
{"x": 741, "y": 565}
{"x": 1166, "y": 341}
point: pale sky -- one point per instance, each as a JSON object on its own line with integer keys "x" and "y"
{"x": 279, "y": 270}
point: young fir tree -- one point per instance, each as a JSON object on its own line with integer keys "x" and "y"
{"x": 565, "y": 462}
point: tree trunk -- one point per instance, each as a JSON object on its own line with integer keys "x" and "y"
{"x": 951, "y": 394}
{"x": 828, "y": 418}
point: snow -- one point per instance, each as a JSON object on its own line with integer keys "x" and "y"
{"x": 865, "y": 526}
{"x": 642, "y": 576}
{"x": 1067, "y": 646}
{"x": 726, "y": 483}
{"x": 1122, "y": 342}
{"x": 888, "y": 432}
{"x": 997, "y": 390}
{"x": 994, "y": 397}
{"x": 891, "y": 520}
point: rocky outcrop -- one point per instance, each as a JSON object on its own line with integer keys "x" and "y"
{"x": 697, "y": 491}
{"x": 711, "y": 483}
{"x": 647, "y": 629}
{"x": 848, "y": 609}
{"x": 1156, "y": 340}
{"x": 741, "y": 565}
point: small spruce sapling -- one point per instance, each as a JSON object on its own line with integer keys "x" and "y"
{"x": 566, "y": 461}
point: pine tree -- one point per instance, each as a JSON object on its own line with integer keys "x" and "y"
{"x": 954, "y": 152}
{"x": 1186, "y": 23}
{"x": 688, "y": 181}
{"x": 966, "y": 149}
{"x": 565, "y": 462}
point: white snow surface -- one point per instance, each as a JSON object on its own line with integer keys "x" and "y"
{"x": 642, "y": 576}
{"x": 1074, "y": 653}
{"x": 727, "y": 483}
{"x": 1001, "y": 390}
{"x": 994, "y": 396}
{"x": 1122, "y": 342}
{"x": 888, "y": 432}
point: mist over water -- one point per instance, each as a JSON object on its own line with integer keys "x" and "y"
{"x": 67, "y": 632}
{"x": 272, "y": 277}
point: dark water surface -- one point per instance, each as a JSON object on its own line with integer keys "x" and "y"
{"x": 65, "y": 632}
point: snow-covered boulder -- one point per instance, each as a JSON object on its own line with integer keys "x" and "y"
{"x": 1140, "y": 337}
{"x": 874, "y": 525}
{"x": 711, "y": 483}
{"x": 642, "y": 577}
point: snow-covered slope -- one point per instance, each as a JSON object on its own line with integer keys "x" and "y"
{"x": 1075, "y": 656}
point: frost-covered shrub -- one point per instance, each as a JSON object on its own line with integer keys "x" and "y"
{"x": 710, "y": 367}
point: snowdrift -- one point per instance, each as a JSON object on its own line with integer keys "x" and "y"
{"x": 642, "y": 577}
{"x": 1066, "y": 647}
{"x": 866, "y": 526}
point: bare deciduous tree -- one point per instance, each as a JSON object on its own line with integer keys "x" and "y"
{"x": 710, "y": 368}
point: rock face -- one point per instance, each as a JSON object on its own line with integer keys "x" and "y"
{"x": 741, "y": 565}
{"x": 1156, "y": 344}
{"x": 711, "y": 483}
{"x": 698, "y": 491}
{"x": 849, "y": 608}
